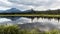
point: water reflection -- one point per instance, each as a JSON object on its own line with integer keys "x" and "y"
{"x": 30, "y": 20}
{"x": 43, "y": 23}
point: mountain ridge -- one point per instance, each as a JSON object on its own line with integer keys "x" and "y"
{"x": 31, "y": 11}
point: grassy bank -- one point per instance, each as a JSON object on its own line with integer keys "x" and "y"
{"x": 32, "y": 15}
{"x": 14, "y": 29}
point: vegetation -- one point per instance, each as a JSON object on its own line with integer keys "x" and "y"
{"x": 31, "y": 15}
{"x": 16, "y": 30}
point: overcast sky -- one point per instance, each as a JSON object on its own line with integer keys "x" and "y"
{"x": 28, "y": 4}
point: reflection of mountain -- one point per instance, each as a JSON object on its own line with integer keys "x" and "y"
{"x": 26, "y": 23}
{"x": 10, "y": 17}
{"x": 14, "y": 20}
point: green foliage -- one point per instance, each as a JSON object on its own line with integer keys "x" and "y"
{"x": 55, "y": 32}
{"x": 34, "y": 31}
{"x": 9, "y": 30}
{"x": 16, "y": 30}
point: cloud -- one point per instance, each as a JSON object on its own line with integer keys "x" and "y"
{"x": 4, "y": 20}
{"x": 28, "y": 4}
{"x": 5, "y": 4}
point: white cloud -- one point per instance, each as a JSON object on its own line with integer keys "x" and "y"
{"x": 3, "y": 8}
{"x": 28, "y": 4}
{"x": 4, "y": 19}
{"x": 5, "y": 4}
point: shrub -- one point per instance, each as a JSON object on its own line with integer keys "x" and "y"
{"x": 14, "y": 29}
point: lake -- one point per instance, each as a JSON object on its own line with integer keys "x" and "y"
{"x": 41, "y": 21}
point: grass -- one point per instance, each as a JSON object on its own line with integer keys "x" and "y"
{"x": 33, "y": 15}
{"x": 14, "y": 29}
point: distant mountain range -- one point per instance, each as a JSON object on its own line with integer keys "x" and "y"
{"x": 14, "y": 10}
{"x": 31, "y": 11}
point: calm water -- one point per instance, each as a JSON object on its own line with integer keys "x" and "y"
{"x": 47, "y": 22}
{"x": 30, "y": 20}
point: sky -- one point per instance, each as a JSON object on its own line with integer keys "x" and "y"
{"x": 28, "y": 4}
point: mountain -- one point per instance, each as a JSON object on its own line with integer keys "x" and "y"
{"x": 12, "y": 10}
{"x": 15, "y": 10}
{"x": 29, "y": 11}
{"x": 1, "y": 11}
